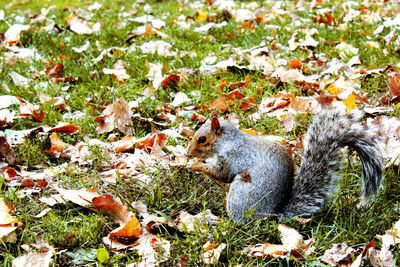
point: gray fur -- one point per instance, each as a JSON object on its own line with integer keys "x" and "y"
{"x": 327, "y": 134}
{"x": 270, "y": 168}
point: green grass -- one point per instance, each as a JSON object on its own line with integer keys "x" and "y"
{"x": 177, "y": 189}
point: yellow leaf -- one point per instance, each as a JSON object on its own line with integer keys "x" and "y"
{"x": 202, "y": 16}
{"x": 350, "y": 102}
{"x": 333, "y": 90}
{"x": 251, "y": 131}
{"x": 70, "y": 17}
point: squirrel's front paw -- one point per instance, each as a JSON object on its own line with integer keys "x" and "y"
{"x": 196, "y": 166}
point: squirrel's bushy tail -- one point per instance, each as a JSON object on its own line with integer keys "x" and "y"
{"x": 328, "y": 133}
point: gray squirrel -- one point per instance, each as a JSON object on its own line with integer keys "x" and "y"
{"x": 261, "y": 171}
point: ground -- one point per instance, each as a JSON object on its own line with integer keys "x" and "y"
{"x": 132, "y": 81}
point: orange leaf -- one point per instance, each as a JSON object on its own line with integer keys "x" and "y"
{"x": 148, "y": 29}
{"x": 57, "y": 145}
{"x": 66, "y": 128}
{"x": 218, "y": 104}
{"x": 235, "y": 95}
{"x": 295, "y": 64}
{"x": 108, "y": 204}
{"x": 128, "y": 233}
{"x": 209, "y": 246}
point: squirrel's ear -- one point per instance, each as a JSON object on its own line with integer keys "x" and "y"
{"x": 215, "y": 126}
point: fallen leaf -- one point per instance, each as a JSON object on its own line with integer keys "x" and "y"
{"x": 339, "y": 254}
{"x": 55, "y": 71}
{"x": 219, "y": 104}
{"x": 394, "y": 83}
{"x": 58, "y": 147}
{"x": 292, "y": 242}
{"x": 152, "y": 249}
{"x": 64, "y": 127}
{"x": 26, "y": 109}
{"x": 5, "y": 151}
{"x": 288, "y": 123}
{"x": 350, "y": 102}
{"x": 295, "y": 64}
{"x": 150, "y": 143}
{"x": 212, "y": 252}
{"x": 58, "y": 102}
{"x": 128, "y": 232}
{"x": 202, "y": 16}
{"x": 13, "y": 34}
{"x": 18, "y": 79}
{"x": 114, "y": 206}
{"x": 388, "y": 128}
{"x": 116, "y": 115}
{"x": 290, "y": 238}
{"x": 44, "y": 256}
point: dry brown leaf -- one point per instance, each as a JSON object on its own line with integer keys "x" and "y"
{"x": 8, "y": 223}
{"x": 187, "y": 132}
{"x": 290, "y": 238}
{"x": 394, "y": 83}
{"x": 383, "y": 258}
{"x": 266, "y": 250}
{"x": 288, "y": 123}
{"x": 152, "y": 249}
{"x": 58, "y": 102}
{"x": 388, "y": 128}
{"x": 114, "y": 206}
{"x": 150, "y": 143}
{"x": 157, "y": 225}
{"x": 339, "y": 254}
{"x": 5, "y": 151}
{"x": 116, "y": 115}
{"x": 292, "y": 242}
{"x": 189, "y": 223}
{"x": 212, "y": 252}
{"x": 44, "y": 256}
{"x": 287, "y": 103}
{"x": 26, "y": 109}
{"x": 55, "y": 71}
{"x": 58, "y": 147}
{"x": 82, "y": 197}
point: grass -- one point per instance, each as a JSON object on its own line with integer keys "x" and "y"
{"x": 177, "y": 189}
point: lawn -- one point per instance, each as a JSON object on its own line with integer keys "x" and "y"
{"x": 100, "y": 99}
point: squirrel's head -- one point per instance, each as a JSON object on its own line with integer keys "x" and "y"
{"x": 203, "y": 142}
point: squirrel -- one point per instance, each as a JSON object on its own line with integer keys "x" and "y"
{"x": 261, "y": 172}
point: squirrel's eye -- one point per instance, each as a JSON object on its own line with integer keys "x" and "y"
{"x": 202, "y": 139}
